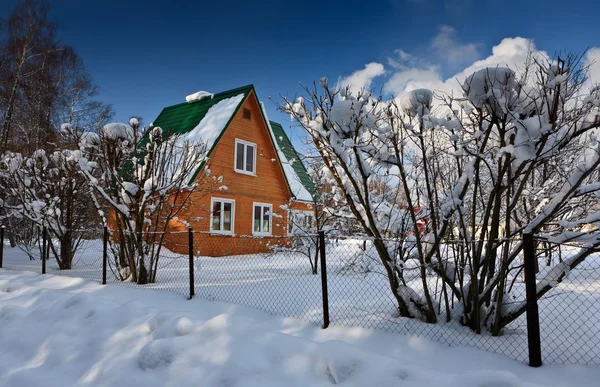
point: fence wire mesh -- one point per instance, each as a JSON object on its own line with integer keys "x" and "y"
{"x": 172, "y": 269}
{"x": 360, "y": 295}
{"x": 282, "y": 276}
{"x": 570, "y": 312}
{"x": 274, "y": 274}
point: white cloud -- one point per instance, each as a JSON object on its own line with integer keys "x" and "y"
{"x": 592, "y": 59}
{"x": 362, "y": 79}
{"x": 403, "y": 54}
{"x": 412, "y": 78}
{"x": 404, "y": 60}
{"x": 407, "y": 71}
{"x": 447, "y": 47}
{"x": 511, "y": 52}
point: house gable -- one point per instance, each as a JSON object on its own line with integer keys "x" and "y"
{"x": 184, "y": 117}
{"x": 208, "y": 118}
{"x": 268, "y": 181}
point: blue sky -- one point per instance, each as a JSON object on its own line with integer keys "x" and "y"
{"x": 146, "y": 55}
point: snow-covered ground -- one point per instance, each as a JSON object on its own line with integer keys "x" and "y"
{"x": 282, "y": 284}
{"x": 60, "y": 331}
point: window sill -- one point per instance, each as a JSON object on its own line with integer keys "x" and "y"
{"x": 226, "y": 233}
{"x": 244, "y": 172}
{"x": 262, "y": 234}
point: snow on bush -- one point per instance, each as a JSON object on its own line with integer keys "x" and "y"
{"x": 417, "y": 102}
{"x": 118, "y": 131}
{"x": 89, "y": 140}
{"x": 493, "y": 88}
{"x": 138, "y": 179}
{"x": 507, "y": 156}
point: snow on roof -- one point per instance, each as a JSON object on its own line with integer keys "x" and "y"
{"x": 210, "y": 127}
{"x": 298, "y": 190}
{"x": 197, "y": 96}
{"x": 296, "y": 186}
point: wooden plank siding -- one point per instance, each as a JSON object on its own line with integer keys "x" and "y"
{"x": 268, "y": 186}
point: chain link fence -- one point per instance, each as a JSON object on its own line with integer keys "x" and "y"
{"x": 286, "y": 276}
{"x": 91, "y": 261}
{"x": 360, "y": 295}
{"x": 570, "y": 313}
{"x": 274, "y": 274}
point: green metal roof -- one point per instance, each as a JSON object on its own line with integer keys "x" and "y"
{"x": 182, "y": 118}
{"x": 290, "y": 153}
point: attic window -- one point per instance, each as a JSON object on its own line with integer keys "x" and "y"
{"x": 245, "y": 157}
{"x": 247, "y": 113}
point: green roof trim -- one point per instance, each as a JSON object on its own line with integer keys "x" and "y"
{"x": 293, "y": 158}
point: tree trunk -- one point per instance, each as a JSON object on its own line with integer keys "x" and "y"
{"x": 66, "y": 252}
{"x": 392, "y": 279}
{"x": 142, "y": 278}
{"x": 11, "y": 240}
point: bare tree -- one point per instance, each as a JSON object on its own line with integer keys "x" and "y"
{"x": 344, "y": 129}
{"x": 43, "y": 84}
{"x": 30, "y": 38}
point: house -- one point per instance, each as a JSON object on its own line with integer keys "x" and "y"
{"x": 255, "y": 182}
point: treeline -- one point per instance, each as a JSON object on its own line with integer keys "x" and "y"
{"x": 43, "y": 82}
{"x": 47, "y": 98}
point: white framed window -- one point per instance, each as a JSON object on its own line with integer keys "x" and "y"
{"x": 222, "y": 215}
{"x": 262, "y": 219}
{"x": 245, "y": 157}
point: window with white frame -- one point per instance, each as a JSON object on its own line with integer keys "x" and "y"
{"x": 222, "y": 215}
{"x": 262, "y": 219}
{"x": 245, "y": 157}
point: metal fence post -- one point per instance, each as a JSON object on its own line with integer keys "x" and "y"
{"x": 44, "y": 242}
{"x": 324, "y": 279}
{"x": 1, "y": 246}
{"x": 191, "y": 253}
{"x": 104, "y": 255}
{"x": 533, "y": 317}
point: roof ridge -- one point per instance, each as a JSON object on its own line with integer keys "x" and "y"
{"x": 215, "y": 95}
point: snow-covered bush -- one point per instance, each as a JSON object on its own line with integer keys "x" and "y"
{"x": 515, "y": 153}
{"x": 46, "y": 190}
{"x": 144, "y": 179}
